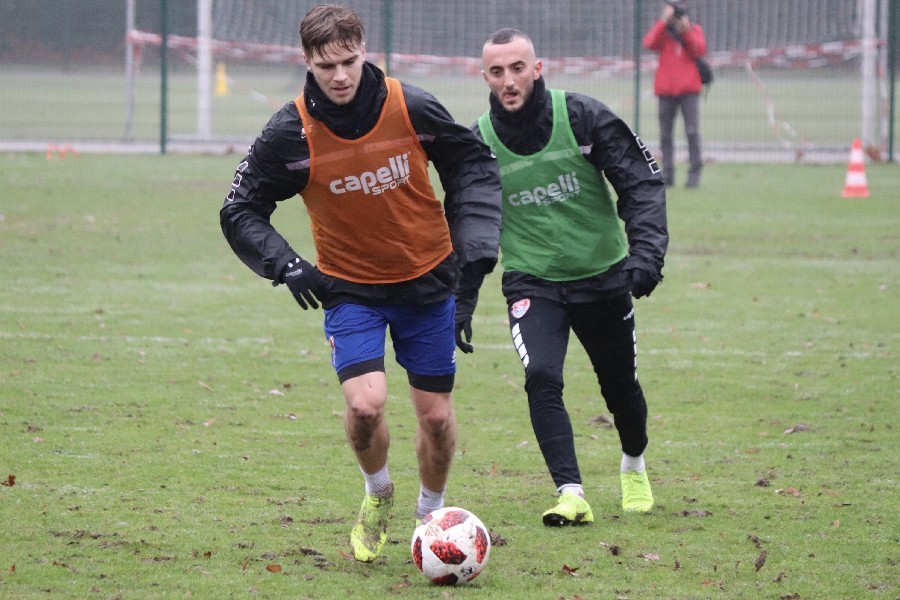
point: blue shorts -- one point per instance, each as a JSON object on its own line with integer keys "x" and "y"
{"x": 423, "y": 335}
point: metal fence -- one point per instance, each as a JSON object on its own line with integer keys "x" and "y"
{"x": 795, "y": 79}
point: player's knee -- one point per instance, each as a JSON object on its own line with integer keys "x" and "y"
{"x": 438, "y": 421}
{"x": 538, "y": 378}
{"x": 365, "y": 412}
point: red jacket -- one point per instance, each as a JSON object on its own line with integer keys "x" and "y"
{"x": 677, "y": 72}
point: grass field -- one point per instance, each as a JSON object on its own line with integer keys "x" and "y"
{"x": 170, "y": 426}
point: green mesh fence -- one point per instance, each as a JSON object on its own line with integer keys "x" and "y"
{"x": 789, "y": 77}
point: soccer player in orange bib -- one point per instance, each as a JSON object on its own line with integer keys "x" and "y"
{"x": 355, "y": 145}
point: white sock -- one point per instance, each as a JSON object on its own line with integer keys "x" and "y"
{"x": 632, "y": 463}
{"x": 428, "y": 501}
{"x": 379, "y": 484}
{"x": 572, "y": 487}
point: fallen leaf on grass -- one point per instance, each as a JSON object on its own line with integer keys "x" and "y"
{"x": 277, "y": 568}
{"x": 9, "y": 481}
{"x": 650, "y": 556}
{"x": 613, "y": 549}
{"x": 603, "y": 420}
{"x": 12, "y": 569}
{"x": 760, "y": 560}
{"x": 570, "y": 570}
{"x": 402, "y": 585}
{"x": 205, "y": 386}
{"x": 244, "y": 565}
{"x": 797, "y": 428}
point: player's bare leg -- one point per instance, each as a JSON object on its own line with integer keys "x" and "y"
{"x": 435, "y": 445}
{"x": 367, "y": 432}
{"x": 365, "y": 397}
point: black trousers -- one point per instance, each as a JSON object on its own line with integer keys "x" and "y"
{"x": 606, "y": 330}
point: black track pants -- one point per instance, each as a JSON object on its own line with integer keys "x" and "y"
{"x": 606, "y": 330}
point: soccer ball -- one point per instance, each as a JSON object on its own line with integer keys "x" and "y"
{"x": 451, "y": 546}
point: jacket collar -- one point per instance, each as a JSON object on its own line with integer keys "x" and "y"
{"x": 356, "y": 118}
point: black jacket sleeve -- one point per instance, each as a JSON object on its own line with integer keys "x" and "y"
{"x": 468, "y": 173}
{"x": 268, "y": 174}
{"x": 633, "y": 173}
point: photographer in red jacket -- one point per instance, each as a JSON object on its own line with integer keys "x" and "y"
{"x": 679, "y": 43}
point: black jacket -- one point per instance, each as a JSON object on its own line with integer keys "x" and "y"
{"x": 277, "y": 168}
{"x": 627, "y": 164}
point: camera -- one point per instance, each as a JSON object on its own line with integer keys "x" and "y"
{"x": 679, "y": 8}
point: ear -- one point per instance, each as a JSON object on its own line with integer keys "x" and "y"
{"x": 538, "y": 67}
{"x": 362, "y": 51}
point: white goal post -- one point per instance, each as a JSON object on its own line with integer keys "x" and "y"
{"x": 204, "y": 69}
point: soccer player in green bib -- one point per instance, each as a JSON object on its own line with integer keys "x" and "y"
{"x": 573, "y": 256}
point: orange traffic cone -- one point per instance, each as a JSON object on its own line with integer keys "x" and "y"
{"x": 855, "y": 185}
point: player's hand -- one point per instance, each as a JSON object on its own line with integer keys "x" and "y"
{"x": 305, "y": 283}
{"x": 465, "y": 306}
{"x": 642, "y": 282}
{"x": 472, "y": 277}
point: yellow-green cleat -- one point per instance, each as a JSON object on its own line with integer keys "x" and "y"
{"x": 370, "y": 532}
{"x": 636, "y": 493}
{"x": 570, "y": 509}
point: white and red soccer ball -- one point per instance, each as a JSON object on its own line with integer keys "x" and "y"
{"x": 451, "y": 546}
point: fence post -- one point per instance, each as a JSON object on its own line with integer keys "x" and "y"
{"x": 637, "y": 66}
{"x": 388, "y": 34}
{"x": 163, "y": 75}
{"x": 129, "y": 71}
{"x": 892, "y": 75}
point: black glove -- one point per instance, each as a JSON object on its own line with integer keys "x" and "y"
{"x": 642, "y": 282}
{"x": 465, "y": 306}
{"x": 304, "y": 281}
{"x": 467, "y": 297}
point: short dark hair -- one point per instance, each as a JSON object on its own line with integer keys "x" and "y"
{"x": 506, "y": 35}
{"x": 680, "y": 6}
{"x": 330, "y": 23}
